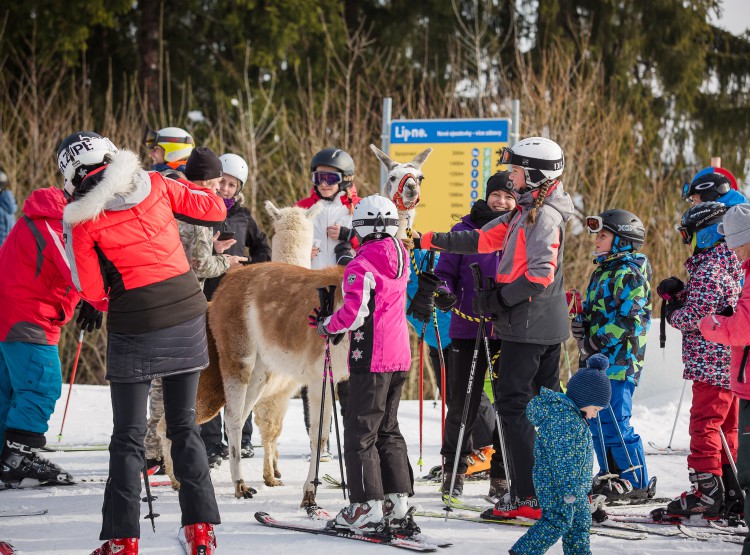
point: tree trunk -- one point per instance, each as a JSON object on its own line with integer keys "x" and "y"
{"x": 148, "y": 53}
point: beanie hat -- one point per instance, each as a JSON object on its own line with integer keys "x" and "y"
{"x": 499, "y": 181}
{"x": 735, "y": 227}
{"x": 590, "y": 386}
{"x": 203, "y": 165}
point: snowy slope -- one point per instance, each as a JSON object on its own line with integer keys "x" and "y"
{"x": 72, "y": 525}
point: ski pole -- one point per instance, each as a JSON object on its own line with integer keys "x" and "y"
{"x": 608, "y": 475}
{"x": 632, "y": 468}
{"x": 679, "y": 405}
{"x": 70, "y": 385}
{"x": 498, "y": 420}
{"x": 420, "y": 461}
{"x": 151, "y": 514}
{"x": 441, "y": 358}
{"x": 731, "y": 460}
{"x": 663, "y": 325}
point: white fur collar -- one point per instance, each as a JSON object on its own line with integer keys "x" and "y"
{"x": 124, "y": 185}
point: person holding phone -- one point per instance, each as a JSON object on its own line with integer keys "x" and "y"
{"x": 238, "y": 236}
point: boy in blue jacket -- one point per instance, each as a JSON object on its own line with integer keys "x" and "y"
{"x": 563, "y": 460}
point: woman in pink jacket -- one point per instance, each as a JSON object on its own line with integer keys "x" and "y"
{"x": 374, "y": 289}
{"x": 734, "y": 330}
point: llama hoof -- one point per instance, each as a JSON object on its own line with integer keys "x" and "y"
{"x": 308, "y": 500}
{"x": 276, "y": 474}
{"x": 241, "y": 491}
{"x": 272, "y": 483}
{"x": 175, "y": 485}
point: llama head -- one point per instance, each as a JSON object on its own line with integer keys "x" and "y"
{"x": 292, "y": 239}
{"x": 404, "y": 179}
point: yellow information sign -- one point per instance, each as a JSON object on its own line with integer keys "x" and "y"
{"x": 465, "y": 153}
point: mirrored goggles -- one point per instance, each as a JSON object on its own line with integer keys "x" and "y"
{"x": 594, "y": 224}
{"x": 149, "y": 138}
{"x": 686, "y": 234}
{"x": 506, "y": 156}
{"x": 686, "y": 192}
{"x": 326, "y": 178}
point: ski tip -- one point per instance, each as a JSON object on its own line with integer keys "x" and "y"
{"x": 261, "y": 516}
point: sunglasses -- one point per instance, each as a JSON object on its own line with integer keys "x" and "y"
{"x": 326, "y": 178}
{"x": 594, "y": 224}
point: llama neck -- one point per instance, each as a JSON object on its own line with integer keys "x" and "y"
{"x": 405, "y": 221}
{"x": 292, "y": 248}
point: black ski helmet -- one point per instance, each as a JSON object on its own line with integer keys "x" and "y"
{"x": 710, "y": 183}
{"x": 335, "y": 158}
{"x": 627, "y": 228}
{"x": 699, "y": 217}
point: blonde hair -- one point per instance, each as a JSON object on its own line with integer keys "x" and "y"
{"x": 540, "y": 198}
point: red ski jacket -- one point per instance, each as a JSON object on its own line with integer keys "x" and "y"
{"x": 36, "y": 290}
{"x": 123, "y": 245}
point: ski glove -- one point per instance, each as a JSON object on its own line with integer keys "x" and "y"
{"x": 668, "y": 288}
{"x": 576, "y": 328}
{"x": 423, "y": 303}
{"x": 670, "y": 308}
{"x": 489, "y": 302}
{"x": 444, "y": 299}
{"x": 89, "y": 318}
{"x": 587, "y": 347}
{"x": 315, "y": 320}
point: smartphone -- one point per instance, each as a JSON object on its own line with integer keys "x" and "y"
{"x": 225, "y": 235}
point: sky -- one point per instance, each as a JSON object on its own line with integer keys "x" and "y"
{"x": 735, "y": 16}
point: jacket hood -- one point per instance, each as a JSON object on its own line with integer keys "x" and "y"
{"x": 387, "y": 255}
{"x": 45, "y": 203}
{"x": 731, "y": 198}
{"x": 556, "y": 198}
{"x": 636, "y": 259}
{"x": 720, "y": 255}
{"x": 549, "y": 404}
{"x": 123, "y": 185}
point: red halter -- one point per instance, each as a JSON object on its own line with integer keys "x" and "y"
{"x": 398, "y": 198}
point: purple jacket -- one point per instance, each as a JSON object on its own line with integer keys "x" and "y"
{"x": 374, "y": 310}
{"x": 454, "y": 270}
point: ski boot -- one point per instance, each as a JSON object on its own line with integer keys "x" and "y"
{"x": 214, "y": 454}
{"x": 733, "y": 507}
{"x": 526, "y": 507}
{"x": 612, "y": 486}
{"x": 598, "y": 506}
{"x": 363, "y": 517}
{"x": 479, "y": 460}
{"x": 198, "y": 539}
{"x": 156, "y": 461}
{"x": 397, "y": 514}
{"x": 120, "y": 546}
{"x": 435, "y": 474}
{"x": 498, "y": 488}
{"x": 635, "y": 496}
{"x": 705, "y": 497}
{"x": 246, "y": 449}
{"x": 23, "y": 467}
{"x": 458, "y": 485}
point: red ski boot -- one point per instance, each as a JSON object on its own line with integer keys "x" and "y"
{"x": 527, "y": 507}
{"x": 198, "y": 539}
{"x": 120, "y": 546}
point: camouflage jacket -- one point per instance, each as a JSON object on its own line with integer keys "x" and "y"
{"x": 199, "y": 248}
{"x": 617, "y": 312}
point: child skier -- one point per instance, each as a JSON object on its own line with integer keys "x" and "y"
{"x": 563, "y": 462}
{"x": 713, "y": 286}
{"x": 529, "y": 300}
{"x": 615, "y": 321}
{"x": 373, "y": 312}
{"x": 734, "y": 330}
{"x": 713, "y": 184}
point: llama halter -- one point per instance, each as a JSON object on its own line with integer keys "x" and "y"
{"x": 398, "y": 199}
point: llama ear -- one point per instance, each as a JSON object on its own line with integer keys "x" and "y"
{"x": 383, "y": 157}
{"x": 314, "y": 210}
{"x": 421, "y": 158}
{"x": 272, "y": 210}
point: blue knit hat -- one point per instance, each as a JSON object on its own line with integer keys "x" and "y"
{"x": 590, "y": 386}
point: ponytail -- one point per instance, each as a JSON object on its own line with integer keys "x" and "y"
{"x": 540, "y": 198}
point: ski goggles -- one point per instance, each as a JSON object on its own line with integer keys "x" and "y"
{"x": 686, "y": 234}
{"x": 507, "y": 156}
{"x": 326, "y": 178}
{"x": 594, "y": 224}
{"x": 151, "y": 139}
{"x": 686, "y": 192}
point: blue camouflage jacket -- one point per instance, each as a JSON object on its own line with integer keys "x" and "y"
{"x": 617, "y": 312}
{"x": 563, "y": 450}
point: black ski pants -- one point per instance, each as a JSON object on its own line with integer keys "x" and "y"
{"x": 524, "y": 369}
{"x": 374, "y": 449}
{"x": 122, "y": 495}
{"x": 462, "y": 353}
{"x": 211, "y": 430}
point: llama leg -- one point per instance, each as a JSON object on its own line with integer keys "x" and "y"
{"x": 166, "y": 449}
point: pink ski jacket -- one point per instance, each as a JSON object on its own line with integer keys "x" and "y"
{"x": 374, "y": 310}
{"x": 734, "y": 331}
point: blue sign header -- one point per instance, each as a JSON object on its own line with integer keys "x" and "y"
{"x": 450, "y": 131}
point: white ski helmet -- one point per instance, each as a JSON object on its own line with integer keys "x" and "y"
{"x": 541, "y": 159}
{"x": 375, "y": 215}
{"x": 80, "y": 153}
{"x": 234, "y": 165}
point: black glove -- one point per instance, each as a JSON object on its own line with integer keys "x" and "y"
{"x": 444, "y": 299}
{"x": 489, "y": 301}
{"x": 89, "y": 318}
{"x": 344, "y": 253}
{"x": 668, "y": 288}
{"x": 587, "y": 347}
{"x": 344, "y": 233}
{"x": 423, "y": 303}
{"x": 576, "y": 328}
{"x": 417, "y": 242}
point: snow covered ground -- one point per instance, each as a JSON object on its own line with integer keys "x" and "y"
{"x": 72, "y": 524}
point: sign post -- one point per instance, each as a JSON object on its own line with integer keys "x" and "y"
{"x": 465, "y": 153}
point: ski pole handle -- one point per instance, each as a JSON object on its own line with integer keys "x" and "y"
{"x": 430, "y": 261}
{"x": 476, "y": 272}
